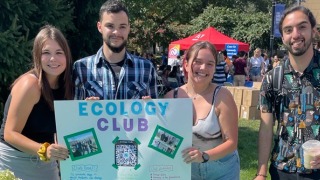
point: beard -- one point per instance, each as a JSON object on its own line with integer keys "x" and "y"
{"x": 116, "y": 49}
{"x": 299, "y": 51}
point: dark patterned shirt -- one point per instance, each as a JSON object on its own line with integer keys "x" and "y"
{"x": 93, "y": 76}
{"x": 299, "y": 110}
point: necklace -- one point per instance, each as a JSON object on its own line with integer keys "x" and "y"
{"x": 194, "y": 97}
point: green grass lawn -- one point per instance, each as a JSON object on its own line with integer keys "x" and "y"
{"x": 248, "y": 148}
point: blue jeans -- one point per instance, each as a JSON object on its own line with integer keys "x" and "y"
{"x": 226, "y": 168}
{"x": 255, "y": 71}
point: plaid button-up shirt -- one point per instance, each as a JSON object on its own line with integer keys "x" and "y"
{"x": 93, "y": 76}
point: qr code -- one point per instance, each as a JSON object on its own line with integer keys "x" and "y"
{"x": 126, "y": 153}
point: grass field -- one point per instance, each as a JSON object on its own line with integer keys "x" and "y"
{"x": 248, "y": 148}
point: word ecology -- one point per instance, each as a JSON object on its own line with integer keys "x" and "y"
{"x": 122, "y": 108}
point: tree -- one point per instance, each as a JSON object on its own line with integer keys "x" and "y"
{"x": 85, "y": 39}
{"x": 252, "y": 27}
{"x": 151, "y": 20}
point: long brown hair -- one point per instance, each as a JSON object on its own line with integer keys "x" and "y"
{"x": 65, "y": 79}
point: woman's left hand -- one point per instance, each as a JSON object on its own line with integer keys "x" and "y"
{"x": 57, "y": 152}
{"x": 192, "y": 154}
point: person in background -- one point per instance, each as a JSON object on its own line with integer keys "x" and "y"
{"x": 221, "y": 70}
{"x": 213, "y": 154}
{"x": 164, "y": 77}
{"x": 295, "y": 106}
{"x": 240, "y": 69}
{"x": 174, "y": 78}
{"x": 276, "y": 61}
{"x": 256, "y": 65}
{"x": 182, "y": 72}
{"x": 317, "y": 45}
{"x": 27, "y": 134}
{"x": 150, "y": 57}
{"x": 174, "y": 61}
{"x": 229, "y": 77}
{"x": 226, "y": 58}
{"x": 267, "y": 64}
{"x": 114, "y": 73}
{"x": 164, "y": 59}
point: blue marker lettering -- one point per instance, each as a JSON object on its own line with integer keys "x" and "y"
{"x": 82, "y": 109}
{"x": 139, "y": 108}
{"x": 96, "y": 108}
{"x": 163, "y": 107}
{"x": 111, "y": 108}
{"x": 150, "y": 108}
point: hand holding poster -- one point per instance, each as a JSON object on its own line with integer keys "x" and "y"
{"x": 125, "y": 139}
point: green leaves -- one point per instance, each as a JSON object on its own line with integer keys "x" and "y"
{"x": 252, "y": 28}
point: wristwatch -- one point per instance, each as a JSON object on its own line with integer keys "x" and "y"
{"x": 205, "y": 157}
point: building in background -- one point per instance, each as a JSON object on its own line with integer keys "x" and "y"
{"x": 314, "y": 6}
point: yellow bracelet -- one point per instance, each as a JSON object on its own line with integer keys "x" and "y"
{"x": 42, "y": 152}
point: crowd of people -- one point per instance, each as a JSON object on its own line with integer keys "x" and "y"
{"x": 234, "y": 71}
{"x": 28, "y": 144}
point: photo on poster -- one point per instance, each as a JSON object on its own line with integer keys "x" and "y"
{"x": 126, "y": 153}
{"x": 83, "y": 144}
{"x": 165, "y": 141}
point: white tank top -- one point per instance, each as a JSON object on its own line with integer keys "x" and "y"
{"x": 206, "y": 134}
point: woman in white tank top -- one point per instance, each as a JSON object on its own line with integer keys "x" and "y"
{"x": 215, "y": 123}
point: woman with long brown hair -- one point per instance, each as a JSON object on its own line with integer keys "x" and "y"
{"x": 27, "y": 135}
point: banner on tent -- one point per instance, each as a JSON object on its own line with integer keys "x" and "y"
{"x": 174, "y": 50}
{"x": 232, "y": 49}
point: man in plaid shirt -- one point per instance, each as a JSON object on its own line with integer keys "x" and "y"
{"x": 114, "y": 73}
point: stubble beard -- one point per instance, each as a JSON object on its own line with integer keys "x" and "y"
{"x": 116, "y": 49}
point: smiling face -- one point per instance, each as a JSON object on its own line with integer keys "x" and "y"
{"x": 202, "y": 67}
{"x": 114, "y": 28}
{"x": 53, "y": 59}
{"x": 297, "y": 33}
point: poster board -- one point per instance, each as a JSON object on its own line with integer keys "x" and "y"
{"x": 125, "y": 139}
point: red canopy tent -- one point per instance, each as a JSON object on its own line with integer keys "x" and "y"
{"x": 212, "y": 35}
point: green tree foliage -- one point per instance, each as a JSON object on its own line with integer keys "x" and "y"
{"x": 252, "y": 28}
{"x": 85, "y": 39}
{"x": 151, "y": 20}
{"x": 13, "y": 44}
{"x": 241, "y": 5}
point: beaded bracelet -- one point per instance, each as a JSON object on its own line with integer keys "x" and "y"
{"x": 42, "y": 152}
{"x": 261, "y": 175}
